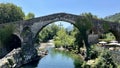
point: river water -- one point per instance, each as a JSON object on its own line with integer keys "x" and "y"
{"x": 56, "y": 59}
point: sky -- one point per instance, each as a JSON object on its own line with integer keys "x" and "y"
{"x": 101, "y": 8}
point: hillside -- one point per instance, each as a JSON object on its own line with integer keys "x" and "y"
{"x": 113, "y": 18}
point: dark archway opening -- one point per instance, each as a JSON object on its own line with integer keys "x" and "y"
{"x": 106, "y": 36}
{"x": 13, "y": 43}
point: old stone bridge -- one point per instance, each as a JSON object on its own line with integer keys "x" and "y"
{"x": 27, "y": 30}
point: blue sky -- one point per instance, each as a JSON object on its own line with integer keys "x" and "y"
{"x": 101, "y": 8}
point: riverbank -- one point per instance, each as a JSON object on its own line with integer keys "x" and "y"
{"x": 98, "y": 58}
{"x": 16, "y": 58}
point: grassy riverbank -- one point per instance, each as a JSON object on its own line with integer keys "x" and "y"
{"x": 99, "y": 58}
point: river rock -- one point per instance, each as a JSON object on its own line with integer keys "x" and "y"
{"x": 15, "y": 59}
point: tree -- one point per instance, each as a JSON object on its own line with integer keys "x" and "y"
{"x": 10, "y": 12}
{"x": 48, "y": 32}
{"x": 63, "y": 38}
{"x": 89, "y": 15}
{"x": 114, "y": 18}
{"x": 5, "y": 33}
{"x": 84, "y": 24}
{"x": 29, "y": 16}
{"x": 78, "y": 41}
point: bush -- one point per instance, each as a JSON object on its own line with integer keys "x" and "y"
{"x": 5, "y": 33}
{"x": 85, "y": 65}
{"x": 57, "y": 44}
{"x": 102, "y": 59}
{"x": 94, "y": 52}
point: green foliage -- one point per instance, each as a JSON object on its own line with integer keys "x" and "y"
{"x": 118, "y": 66}
{"x": 5, "y": 33}
{"x": 107, "y": 37}
{"x": 93, "y": 54}
{"x": 85, "y": 65}
{"x": 29, "y": 16}
{"x": 78, "y": 41}
{"x": 74, "y": 31}
{"x": 61, "y": 36}
{"x": 48, "y": 32}
{"x": 106, "y": 26}
{"x": 57, "y": 43}
{"x": 10, "y": 12}
{"x": 63, "y": 39}
{"x": 84, "y": 23}
{"x": 90, "y": 15}
{"x": 103, "y": 59}
{"x": 113, "y": 18}
{"x": 70, "y": 40}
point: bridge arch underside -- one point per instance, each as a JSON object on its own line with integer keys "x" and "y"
{"x": 116, "y": 34}
{"x": 13, "y": 42}
{"x": 99, "y": 32}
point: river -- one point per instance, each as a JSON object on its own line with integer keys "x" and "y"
{"x": 56, "y": 59}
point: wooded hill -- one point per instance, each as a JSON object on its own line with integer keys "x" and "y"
{"x": 113, "y": 18}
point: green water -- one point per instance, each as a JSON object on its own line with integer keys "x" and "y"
{"x": 56, "y": 59}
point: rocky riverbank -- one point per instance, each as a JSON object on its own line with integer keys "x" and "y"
{"x": 15, "y": 58}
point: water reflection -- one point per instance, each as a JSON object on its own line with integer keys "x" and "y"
{"x": 33, "y": 64}
{"x": 77, "y": 60}
{"x": 57, "y": 59}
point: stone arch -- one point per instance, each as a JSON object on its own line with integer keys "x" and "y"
{"x": 14, "y": 42}
{"x": 38, "y": 23}
{"x": 26, "y": 35}
{"x": 112, "y": 27}
{"x": 25, "y": 30}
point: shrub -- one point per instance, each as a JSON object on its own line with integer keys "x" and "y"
{"x": 102, "y": 59}
{"x": 85, "y": 65}
{"x": 5, "y": 33}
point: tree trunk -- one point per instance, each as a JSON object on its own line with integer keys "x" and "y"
{"x": 85, "y": 38}
{"x": 78, "y": 49}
